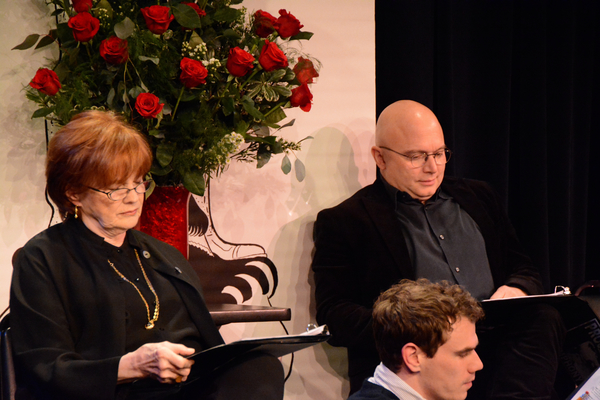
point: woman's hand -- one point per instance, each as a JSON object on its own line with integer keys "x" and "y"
{"x": 164, "y": 362}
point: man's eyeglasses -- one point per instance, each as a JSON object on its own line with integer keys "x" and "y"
{"x": 121, "y": 193}
{"x": 417, "y": 160}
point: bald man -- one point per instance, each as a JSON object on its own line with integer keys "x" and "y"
{"x": 413, "y": 222}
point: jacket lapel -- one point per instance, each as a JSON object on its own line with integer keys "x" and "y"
{"x": 381, "y": 212}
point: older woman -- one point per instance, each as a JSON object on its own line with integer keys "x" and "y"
{"x": 100, "y": 310}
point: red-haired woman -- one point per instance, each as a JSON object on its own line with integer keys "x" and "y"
{"x": 100, "y": 310}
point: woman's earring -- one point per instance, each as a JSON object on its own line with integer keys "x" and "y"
{"x": 76, "y": 216}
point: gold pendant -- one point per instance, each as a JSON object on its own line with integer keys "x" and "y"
{"x": 150, "y": 325}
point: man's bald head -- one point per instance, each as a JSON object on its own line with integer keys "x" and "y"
{"x": 409, "y": 128}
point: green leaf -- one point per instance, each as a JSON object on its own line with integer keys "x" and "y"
{"x": 231, "y": 34}
{"x": 228, "y": 105}
{"x": 286, "y": 165}
{"x": 151, "y": 187}
{"x": 194, "y": 182}
{"x": 156, "y": 133}
{"x": 277, "y": 148}
{"x": 125, "y": 29}
{"x": 242, "y": 127}
{"x": 164, "y": 153}
{"x": 62, "y": 71}
{"x": 262, "y": 157}
{"x": 188, "y": 96}
{"x": 160, "y": 171}
{"x": 302, "y": 36}
{"x": 135, "y": 91}
{"x": 276, "y": 116}
{"x": 47, "y": 40}
{"x": 289, "y": 75}
{"x": 277, "y": 75}
{"x": 226, "y": 14}
{"x": 65, "y": 35}
{"x": 195, "y": 40}
{"x": 104, "y": 5}
{"x": 28, "y": 42}
{"x": 283, "y": 90}
{"x": 71, "y": 57}
{"x": 262, "y": 131}
{"x": 155, "y": 60}
{"x": 111, "y": 97}
{"x": 291, "y": 123}
{"x": 186, "y": 16}
{"x": 236, "y": 1}
{"x": 269, "y": 94}
{"x": 248, "y": 104}
{"x": 254, "y": 91}
{"x": 300, "y": 170}
{"x": 42, "y": 112}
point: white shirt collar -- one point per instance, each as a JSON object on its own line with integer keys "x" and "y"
{"x": 387, "y": 379}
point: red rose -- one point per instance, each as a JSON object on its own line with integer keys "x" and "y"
{"x": 82, "y": 5}
{"x": 239, "y": 62}
{"x": 305, "y": 70}
{"x": 287, "y": 25}
{"x": 271, "y": 57}
{"x": 114, "y": 50}
{"x": 196, "y": 7}
{"x": 147, "y": 105}
{"x": 193, "y": 73}
{"x": 264, "y": 23}
{"x": 46, "y": 81}
{"x": 157, "y": 18}
{"x": 301, "y": 97}
{"x": 84, "y": 26}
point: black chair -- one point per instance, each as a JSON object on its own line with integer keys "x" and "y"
{"x": 8, "y": 386}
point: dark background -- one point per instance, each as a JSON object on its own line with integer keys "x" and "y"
{"x": 516, "y": 87}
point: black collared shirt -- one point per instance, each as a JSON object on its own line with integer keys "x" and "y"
{"x": 444, "y": 242}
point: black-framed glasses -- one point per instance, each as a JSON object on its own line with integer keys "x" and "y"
{"x": 417, "y": 160}
{"x": 120, "y": 193}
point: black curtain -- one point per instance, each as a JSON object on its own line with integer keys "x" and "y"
{"x": 516, "y": 87}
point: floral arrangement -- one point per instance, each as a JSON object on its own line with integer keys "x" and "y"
{"x": 205, "y": 81}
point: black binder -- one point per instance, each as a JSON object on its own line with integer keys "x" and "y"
{"x": 215, "y": 357}
{"x": 581, "y": 351}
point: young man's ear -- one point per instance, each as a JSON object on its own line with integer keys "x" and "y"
{"x": 411, "y": 355}
{"x": 378, "y": 157}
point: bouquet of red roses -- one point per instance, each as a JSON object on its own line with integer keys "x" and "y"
{"x": 205, "y": 81}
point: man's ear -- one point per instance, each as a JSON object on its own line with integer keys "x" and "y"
{"x": 411, "y": 354}
{"x": 378, "y": 157}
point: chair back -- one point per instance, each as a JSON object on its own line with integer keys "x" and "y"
{"x": 8, "y": 385}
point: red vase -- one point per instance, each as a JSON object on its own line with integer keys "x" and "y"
{"x": 165, "y": 216}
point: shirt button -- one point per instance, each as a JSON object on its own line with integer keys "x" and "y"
{"x": 457, "y": 269}
{"x": 146, "y": 254}
{"x": 442, "y": 237}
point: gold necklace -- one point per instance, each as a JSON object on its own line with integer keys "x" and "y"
{"x": 152, "y": 320}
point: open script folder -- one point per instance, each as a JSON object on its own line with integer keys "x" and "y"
{"x": 590, "y": 390}
{"x": 277, "y": 346}
{"x": 580, "y": 356}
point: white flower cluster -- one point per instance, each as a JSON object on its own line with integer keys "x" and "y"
{"x": 196, "y": 53}
{"x": 104, "y": 17}
{"x": 220, "y": 154}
